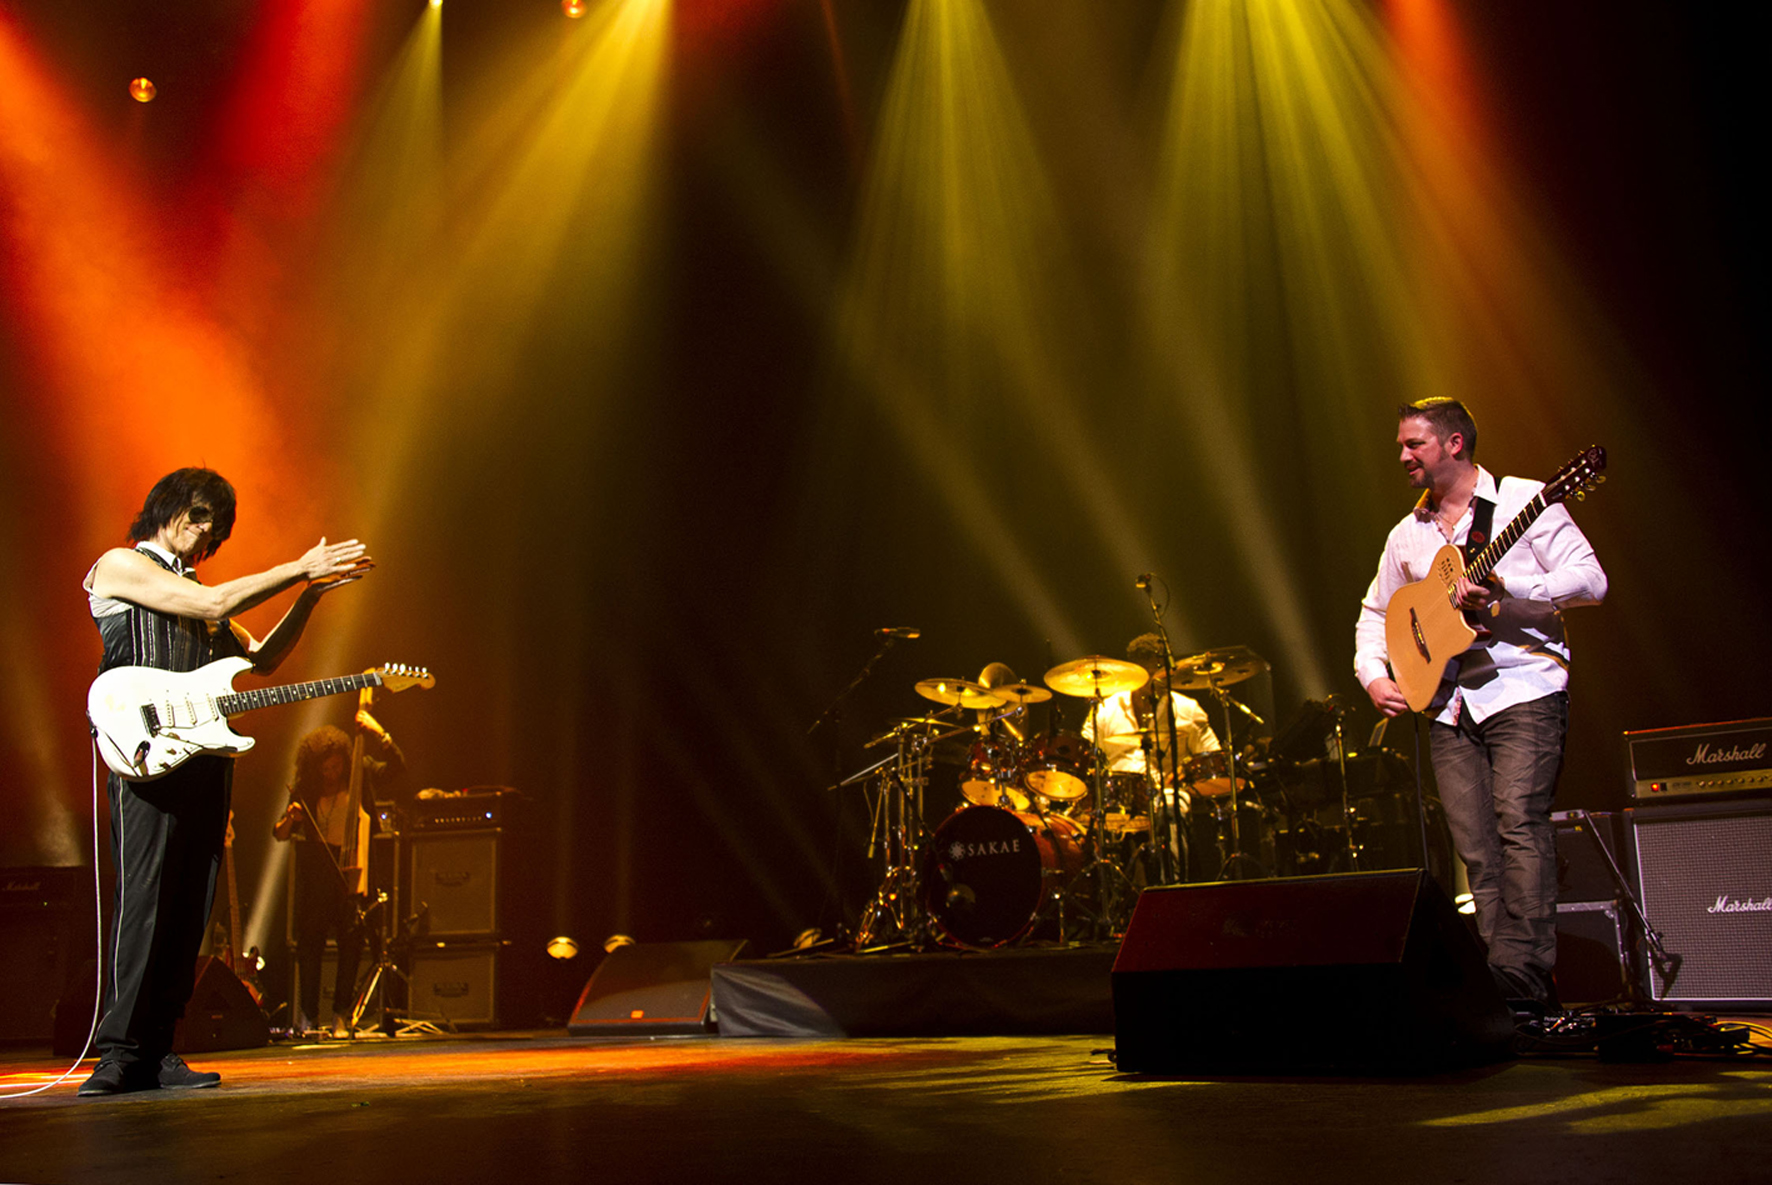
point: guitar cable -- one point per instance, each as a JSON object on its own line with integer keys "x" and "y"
{"x": 98, "y": 923}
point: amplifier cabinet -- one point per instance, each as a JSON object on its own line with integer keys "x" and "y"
{"x": 455, "y": 881}
{"x": 1705, "y": 871}
{"x": 455, "y": 983}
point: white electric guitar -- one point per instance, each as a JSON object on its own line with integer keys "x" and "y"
{"x": 149, "y": 722}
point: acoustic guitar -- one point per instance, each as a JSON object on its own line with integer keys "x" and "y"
{"x": 1424, "y": 628}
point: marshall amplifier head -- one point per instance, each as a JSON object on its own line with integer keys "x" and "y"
{"x": 1700, "y": 759}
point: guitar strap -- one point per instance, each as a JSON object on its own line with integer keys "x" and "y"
{"x": 1482, "y": 521}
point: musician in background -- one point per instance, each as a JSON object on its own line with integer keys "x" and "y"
{"x": 1148, "y": 713}
{"x": 327, "y": 899}
{"x": 1499, "y": 720}
{"x": 167, "y": 834}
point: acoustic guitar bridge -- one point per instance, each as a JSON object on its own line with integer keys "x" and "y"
{"x": 1415, "y": 632}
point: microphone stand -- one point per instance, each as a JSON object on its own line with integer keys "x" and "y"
{"x": 1171, "y": 860}
{"x": 832, "y": 713}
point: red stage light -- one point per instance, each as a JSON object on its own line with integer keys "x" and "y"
{"x": 574, "y": 8}
{"x": 142, "y": 90}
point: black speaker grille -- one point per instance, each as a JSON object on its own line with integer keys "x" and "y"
{"x": 1707, "y": 888}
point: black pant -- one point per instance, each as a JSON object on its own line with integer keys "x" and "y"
{"x": 323, "y": 908}
{"x": 167, "y": 839}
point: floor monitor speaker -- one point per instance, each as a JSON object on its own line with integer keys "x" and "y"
{"x": 653, "y": 989}
{"x": 1365, "y": 972}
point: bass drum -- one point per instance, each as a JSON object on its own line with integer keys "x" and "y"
{"x": 988, "y": 871}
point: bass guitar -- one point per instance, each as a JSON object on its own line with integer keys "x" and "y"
{"x": 1424, "y": 628}
{"x": 148, "y": 722}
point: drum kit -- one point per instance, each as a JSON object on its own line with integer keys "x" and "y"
{"x": 1046, "y": 838}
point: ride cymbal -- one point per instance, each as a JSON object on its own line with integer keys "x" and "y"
{"x": 1096, "y": 677}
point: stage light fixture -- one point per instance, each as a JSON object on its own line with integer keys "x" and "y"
{"x": 563, "y": 948}
{"x": 142, "y": 90}
{"x": 615, "y": 942}
{"x": 574, "y": 8}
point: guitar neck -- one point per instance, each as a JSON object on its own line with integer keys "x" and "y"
{"x": 291, "y": 693}
{"x": 1480, "y": 567}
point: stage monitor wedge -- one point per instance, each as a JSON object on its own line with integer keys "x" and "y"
{"x": 1362, "y": 973}
{"x": 652, "y": 989}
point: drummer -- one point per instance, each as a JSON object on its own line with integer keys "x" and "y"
{"x": 1133, "y": 723}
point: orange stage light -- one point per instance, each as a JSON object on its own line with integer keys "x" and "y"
{"x": 142, "y": 90}
{"x": 574, "y": 8}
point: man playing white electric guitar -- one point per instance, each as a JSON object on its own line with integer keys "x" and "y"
{"x": 1500, "y": 713}
{"x": 167, "y": 835}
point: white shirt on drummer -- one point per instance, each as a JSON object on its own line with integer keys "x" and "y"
{"x": 1116, "y": 718}
{"x": 1550, "y": 568}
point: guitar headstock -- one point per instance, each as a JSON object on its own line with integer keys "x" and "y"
{"x": 1584, "y": 471}
{"x": 397, "y": 676}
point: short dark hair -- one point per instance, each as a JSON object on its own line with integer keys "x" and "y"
{"x": 1445, "y": 416}
{"x": 176, "y": 493}
{"x": 1146, "y": 646}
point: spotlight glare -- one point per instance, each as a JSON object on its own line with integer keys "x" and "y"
{"x": 615, "y": 942}
{"x": 142, "y": 90}
{"x": 562, "y": 948}
{"x": 574, "y": 8}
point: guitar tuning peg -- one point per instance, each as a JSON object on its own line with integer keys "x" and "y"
{"x": 1581, "y": 495}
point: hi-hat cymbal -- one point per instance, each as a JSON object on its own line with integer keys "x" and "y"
{"x": 1216, "y": 668}
{"x": 958, "y": 691}
{"x": 1021, "y": 693}
{"x": 1096, "y": 677}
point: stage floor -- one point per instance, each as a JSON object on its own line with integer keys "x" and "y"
{"x": 547, "y": 1107}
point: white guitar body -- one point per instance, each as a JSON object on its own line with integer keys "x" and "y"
{"x": 149, "y": 722}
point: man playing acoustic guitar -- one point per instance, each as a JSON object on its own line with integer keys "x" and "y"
{"x": 1501, "y": 711}
{"x": 167, "y": 834}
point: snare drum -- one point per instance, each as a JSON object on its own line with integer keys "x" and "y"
{"x": 1209, "y": 775}
{"x": 987, "y": 872}
{"x": 1058, "y": 766}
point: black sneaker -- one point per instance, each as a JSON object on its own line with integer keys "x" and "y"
{"x": 175, "y": 1075}
{"x": 113, "y": 1077}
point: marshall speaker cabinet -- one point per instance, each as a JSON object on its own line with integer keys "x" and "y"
{"x": 1703, "y": 828}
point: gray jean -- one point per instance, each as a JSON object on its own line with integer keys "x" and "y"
{"x": 1497, "y": 779}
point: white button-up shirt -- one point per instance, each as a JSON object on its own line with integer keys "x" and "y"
{"x": 1551, "y": 567}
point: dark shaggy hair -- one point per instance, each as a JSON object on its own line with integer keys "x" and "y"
{"x": 311, "y": 754}
{"x": 1445, "y": 416}
{"x": 176, "y": 493}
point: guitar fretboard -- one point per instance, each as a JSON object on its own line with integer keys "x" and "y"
{"x": 1491, "y": 555}
{"x": 290, "y": 693}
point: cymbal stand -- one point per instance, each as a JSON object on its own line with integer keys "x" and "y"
{"x": 893, "y": 916}
{"x": 1234, "y": 855}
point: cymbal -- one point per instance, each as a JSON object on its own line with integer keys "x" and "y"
{"x": 1088, "y": 678}
{"x": 1216, "y": 668}
{"x": 1021, "y": 693}
{"x": 958, "y": 691}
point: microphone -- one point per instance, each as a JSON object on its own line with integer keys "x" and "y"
{"x": 902, "y": 631}
{"x": 1143, "y": 583}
